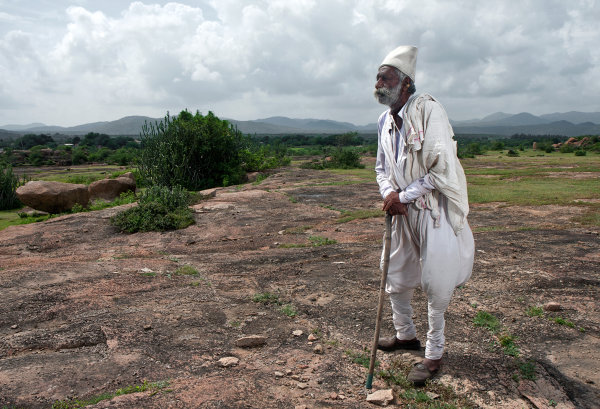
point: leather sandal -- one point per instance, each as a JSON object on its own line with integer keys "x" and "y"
{"x": 392, "y": 344}
{"x": 420, "y": 374}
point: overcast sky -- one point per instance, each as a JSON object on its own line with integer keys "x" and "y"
{"x": 72, "y": 62}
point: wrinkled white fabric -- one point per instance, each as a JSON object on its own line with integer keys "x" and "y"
{"x": 432, "y": 247}
{"x": 428, "y": 149}
{"x": 432, "y": 258}
{"x": 416, "y": 189}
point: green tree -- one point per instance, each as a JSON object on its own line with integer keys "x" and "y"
{"x": 192, "y": 151}
{"x": 8, "y": 185}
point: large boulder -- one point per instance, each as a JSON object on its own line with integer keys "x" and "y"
{"x": 110, "y": 189}
{"x": 53, "y": 197}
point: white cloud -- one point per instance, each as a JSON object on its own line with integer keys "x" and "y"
{"x": 305, "y": 58}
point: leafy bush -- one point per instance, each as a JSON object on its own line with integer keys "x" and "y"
{"x": 566, "y": 149}
{"x": 171, "y": 198}
{"x": 512, "y": 152}
{"x": 159, "y": 209}
{"x": 580, "y": 152}
{"x": 193, "y": 151}
{"x": 340, "y": 159}
{"x": 8, "y": 185}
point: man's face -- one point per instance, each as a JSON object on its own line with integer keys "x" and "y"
{"x": 388, "y": 86}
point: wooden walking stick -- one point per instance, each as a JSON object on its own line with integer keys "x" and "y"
{"x": 384, "y": 272}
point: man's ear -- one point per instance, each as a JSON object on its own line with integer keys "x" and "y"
{"x": 406, "y": 82}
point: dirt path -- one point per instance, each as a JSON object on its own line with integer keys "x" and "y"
{"x": 86, "y": 310}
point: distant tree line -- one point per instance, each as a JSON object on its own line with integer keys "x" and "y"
{"x": 42, "y": 149}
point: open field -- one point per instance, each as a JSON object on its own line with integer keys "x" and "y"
{"x": 105, "y": 319}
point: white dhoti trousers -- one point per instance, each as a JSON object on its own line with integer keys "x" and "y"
{"x": 433, "y": 258}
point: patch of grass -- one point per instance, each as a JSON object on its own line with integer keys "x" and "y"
{"x": 527, "y": 370}
{"x": 318, "y": 241}
{"x": 259, "y": 178}
{"x": 150, "y": 274}
{"x": 289, "y": 310}
{"x": 415, "y": 395}
{"x": 124, "y": 198}
{"x": 266, "y": 298}
{"x": 509, "y": 346}
{"x": 486, "y": 320}
{"x": 76, "y": 403}
{"x": 562, "y": 321}
{"x": 333, "y": 342}
{"x": 362, "y": 358}
{"x": 534, "y": 311}
{"x": 186, "y": 270}
{"x": 13, "y": 218}
{"x": 590, "y": 218}
{"x": 235, "y": 324}
{"x": 350, "y": 215}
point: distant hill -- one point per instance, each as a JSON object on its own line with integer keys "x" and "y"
{"x": 568, "y": 123}
{"x": 553, "y": 128}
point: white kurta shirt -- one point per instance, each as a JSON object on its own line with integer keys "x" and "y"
{"x": 426, "y": 151}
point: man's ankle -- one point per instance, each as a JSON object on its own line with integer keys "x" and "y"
{"x": 432, "y": 364}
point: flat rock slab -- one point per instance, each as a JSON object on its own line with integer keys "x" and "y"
{"x": 382, "y": 397}
{"x": 229, "y": 361}
{"x": 251, "y": 341}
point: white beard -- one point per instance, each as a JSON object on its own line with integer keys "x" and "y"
{"x": 388, "y": 96}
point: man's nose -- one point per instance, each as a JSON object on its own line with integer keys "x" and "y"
{"x": 379, "y": 84}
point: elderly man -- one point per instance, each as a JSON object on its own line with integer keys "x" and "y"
{"x": 424, "y": 188}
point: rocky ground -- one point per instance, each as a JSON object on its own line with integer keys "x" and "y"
{"x": 86, "y": 310}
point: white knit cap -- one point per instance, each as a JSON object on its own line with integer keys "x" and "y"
{"x": 404, "y": 58}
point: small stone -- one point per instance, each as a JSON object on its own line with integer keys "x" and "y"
{"x": 146, "y": 270}
{"x": 278, "y": 374}
{"x": 318, "y": 349}
{"x": 382, "y": 397}
{"x": 300, "y": 407}
{"x": 296, "y": 377}
{"x": 147, "y": 327}
{"x": 14, "y": 326}
{"x": 552, "y": 306}
{"x": 333, "y": 396}
{"x": 288, "y": 372}
{"x": 432, "y": 395}
{"x": 228, "y": 361}
{"x": 312, "y": 337}
{"x": 251, "y": 341}
{"x": 297, "y": 333}
{"x": 302, "y": 385}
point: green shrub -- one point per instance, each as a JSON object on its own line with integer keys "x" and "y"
{"x": 8, "y": 186}
{"x": 512, "y": 152}
{"x": 159, "y": 209}
{"x": 566, "y": 149}
{"x": 340, "y": 159}
{"x": 171, "y": 198}
{"x": 152, "y": 216}
{"x": 193, "y": 151}
{"x": 580, "y": 152}
{"x": 345, "y": 159}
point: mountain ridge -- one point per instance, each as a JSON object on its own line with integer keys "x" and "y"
{"x": 499, "y": 123}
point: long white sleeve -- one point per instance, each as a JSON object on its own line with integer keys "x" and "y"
{"x": 416, "y": 189}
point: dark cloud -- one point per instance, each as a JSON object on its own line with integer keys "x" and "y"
{"x": 307, "y": 58}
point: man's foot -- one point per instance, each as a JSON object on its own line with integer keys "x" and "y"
{"x": 392, "y": 344}
{"x": 424, "y": 370}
